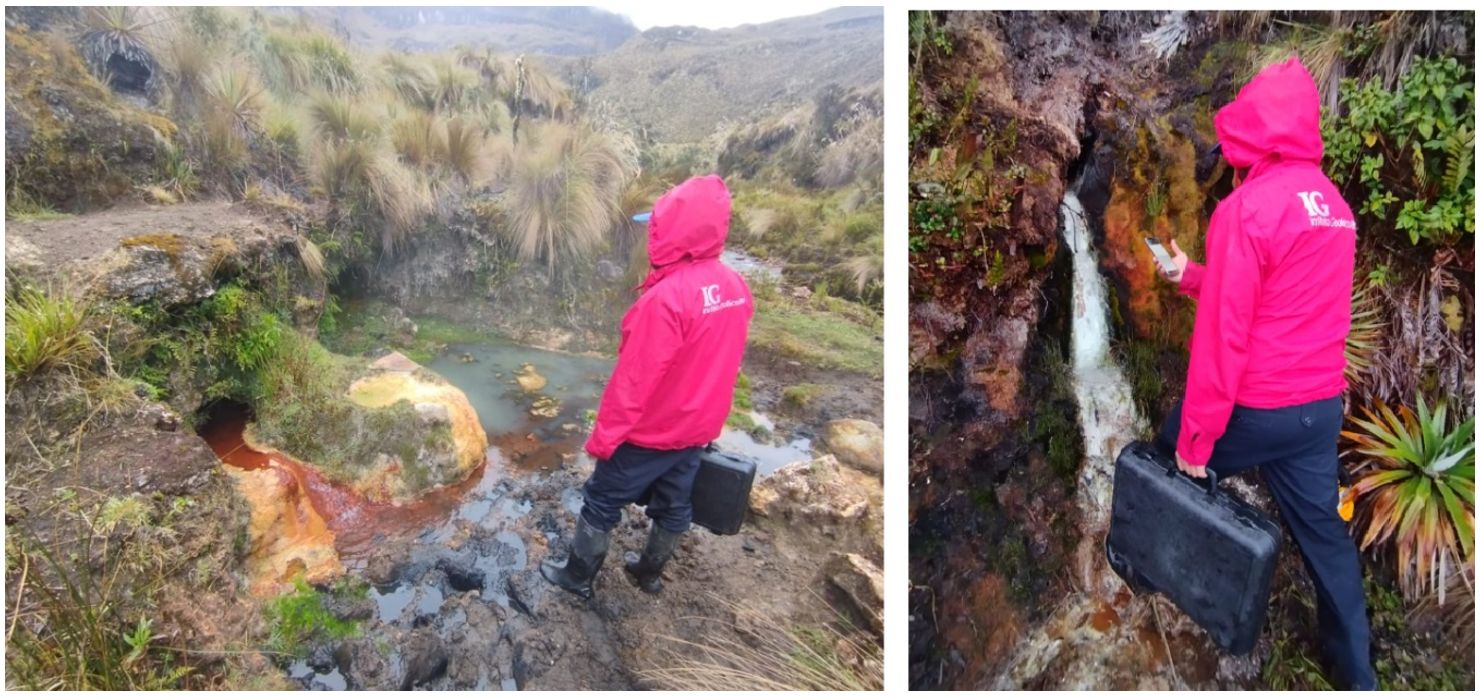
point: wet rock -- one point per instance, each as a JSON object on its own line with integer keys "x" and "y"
{"x": 861, "y": 585}
{"x": 425, "y": 659}
{"x": 461, "y": 576}
{"x": 289, "y": 539}
{"x": 529, "y": 379}
{"x": 321, "y": 659}
{"x": 857, "y": 443}
{"x": 349, "y": 608}
{"x": 545, "y": 407}
{"x": 366, "y": 666}
{"x": 533, "y": 655}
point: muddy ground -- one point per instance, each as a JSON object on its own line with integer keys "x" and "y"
{"x": 477, "y": 615}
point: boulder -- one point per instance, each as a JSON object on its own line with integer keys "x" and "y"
{"x": 860, "y": 584}
{"x": 856, "y": 443}
{"x": 824, "y": 496}
{"x": 414, "y": 456}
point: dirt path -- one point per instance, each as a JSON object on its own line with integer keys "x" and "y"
{"x": 53, "y": 243}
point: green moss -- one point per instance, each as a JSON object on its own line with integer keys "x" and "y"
{"x": 298, "y": 618}
{"x": 800, "y": 396}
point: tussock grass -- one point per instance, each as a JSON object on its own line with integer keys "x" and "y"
{"x": 341, "y": 118}
{"x": 45, "y": 330}
{"x": 233, "y": 114}
{"x": 417, "y": 139}
{"x": 409, "y": 78}
{"x": 302, "y": 60}
{"x": 561, "y": 202}
{"x": 465, "y": 153}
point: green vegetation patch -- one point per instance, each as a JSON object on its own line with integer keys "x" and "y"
{"x": 828, "y": 333}
{"x": 299, "y": 618}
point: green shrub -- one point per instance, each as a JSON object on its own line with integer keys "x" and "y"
{"x": 1407, "y": 155}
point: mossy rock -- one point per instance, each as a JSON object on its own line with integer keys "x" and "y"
{"x": 391, "y": 434}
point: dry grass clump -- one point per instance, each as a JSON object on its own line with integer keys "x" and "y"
{"x": 766, "y": 655}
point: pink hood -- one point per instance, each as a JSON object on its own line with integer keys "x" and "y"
{"x": 689, "y": 223}
{"x": 1277, "y": 116}
{"x": 684, "y": 338}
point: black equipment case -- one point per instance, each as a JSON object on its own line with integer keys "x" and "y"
{"x": 721, "y": 495}
{"x": 1212, "y": 554}
{"x": 722, "y": 490}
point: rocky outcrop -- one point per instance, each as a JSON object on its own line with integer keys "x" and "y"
{"x": 169, "y": 255}
{"x": 856, "y": 443}
{"x": 70, "y": 144}
{"x": 822, "y": 496}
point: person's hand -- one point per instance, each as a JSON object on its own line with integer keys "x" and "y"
{"x": 1179, "y": 259}
{"x": 1190, "y": 470}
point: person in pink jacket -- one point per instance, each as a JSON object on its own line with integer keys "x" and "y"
{"x": 1265, "y": 378}
{"x": 671, "y": 391}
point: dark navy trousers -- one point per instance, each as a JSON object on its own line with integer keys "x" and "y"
{"x": 664, "y": 477}
{"x": 1295, "y": 449}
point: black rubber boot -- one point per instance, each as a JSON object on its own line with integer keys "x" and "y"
{"x": 587, "y": 552}
{"x": 647, "y": 572}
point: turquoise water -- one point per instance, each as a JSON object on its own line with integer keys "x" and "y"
{"x": 576, "y": 381}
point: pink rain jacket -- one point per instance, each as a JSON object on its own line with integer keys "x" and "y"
{"x": 1274, "y": 301}
{"x": 682, "y": 341}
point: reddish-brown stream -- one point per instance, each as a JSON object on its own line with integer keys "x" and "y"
{"x": 358, "y": 524}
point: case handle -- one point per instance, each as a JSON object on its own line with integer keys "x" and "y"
{"x": 1212, "y": 477}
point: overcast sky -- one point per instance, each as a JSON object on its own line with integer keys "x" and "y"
{"x": 720, "y": 15}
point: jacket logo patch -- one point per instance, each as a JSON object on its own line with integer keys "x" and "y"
{"x": 1320, "y": 213}
{"x": 1314, "y": 203}
{"x": 713, "y": 303}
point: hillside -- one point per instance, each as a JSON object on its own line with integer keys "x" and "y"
{"x": 556, "y": 31}
{"x": 739, "y": 74}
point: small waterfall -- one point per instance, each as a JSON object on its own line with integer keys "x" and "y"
{"x": 1098, "y": 632}
{"x": 1107, "y": 413}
